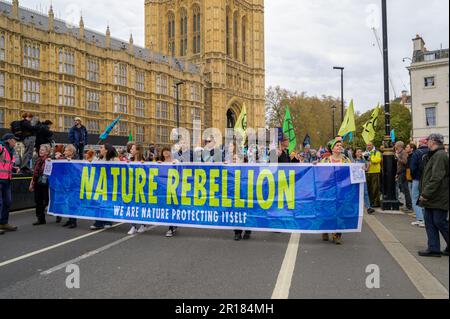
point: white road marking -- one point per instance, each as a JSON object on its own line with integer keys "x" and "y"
{"x": 89, "y": 254}
{"x": 37, "y": 252}
{"x": 284, "y": 280}
{"x": 425, "y": 282}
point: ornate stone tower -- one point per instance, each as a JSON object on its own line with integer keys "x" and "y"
{"x": 224, "y": 37}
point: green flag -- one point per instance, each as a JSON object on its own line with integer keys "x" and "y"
{"x": 130, "y": 137}
{"x": 288, "y": 129}
{"x": 241, "y": 124}
{"x": 369, "y": 129}
{"x": 348, "y": 125}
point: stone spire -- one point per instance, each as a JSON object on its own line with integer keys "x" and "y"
{"x": 15, "y": 9}
{"x": 51, "y": 19}
{"x": 108, "y": 38}
{"x": 81, "y": 28}
{"x": 131, "y": 47}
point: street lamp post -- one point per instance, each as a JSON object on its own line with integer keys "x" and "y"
{"x": 334, "y": 120}
{"x": 390, "y": 201}
{"x": 342, "y": 90}
{"x": 176, "y": 86}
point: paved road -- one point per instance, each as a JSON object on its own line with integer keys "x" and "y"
{"x": 209, "y": 264}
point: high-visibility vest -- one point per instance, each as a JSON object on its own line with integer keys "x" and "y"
{"x": 6, "y": 164}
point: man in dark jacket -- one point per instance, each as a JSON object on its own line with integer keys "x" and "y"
{"x": 44, "y": 135}
{"x": 416, "y": 167}
{"x": 78, "y": 137}
{"x": 434, "y": 196}
{"x": 28, "y": 138}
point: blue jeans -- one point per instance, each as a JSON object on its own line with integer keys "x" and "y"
{"x": 366, "y": 197}
{"x": 415, "y": 193}
{"x": 436, "y": 222}
{"x": 5, "y": 201}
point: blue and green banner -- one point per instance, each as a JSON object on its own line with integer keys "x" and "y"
{"x": 281, "y": 198}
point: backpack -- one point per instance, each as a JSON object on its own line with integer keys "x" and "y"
{"x": 16, "y": 128}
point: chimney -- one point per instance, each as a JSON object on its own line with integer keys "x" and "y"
{"x": 419, "y": 44}
{"x": 404, "y": 97}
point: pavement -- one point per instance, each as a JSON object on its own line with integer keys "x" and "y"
{"x": 209, "y": 264}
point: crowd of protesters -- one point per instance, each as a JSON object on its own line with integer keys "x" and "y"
{"x": 422, "y": 172}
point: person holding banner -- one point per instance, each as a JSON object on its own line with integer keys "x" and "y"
{"x": 359, "y": 158}
{"x": 108, "y": 154}
{"x": 39, "y": 185}
{"x": 70, "y": 153}
{"x": 166, "y": 157}
{"x": 337, "y": 157}
{"x": 136, "y": 154}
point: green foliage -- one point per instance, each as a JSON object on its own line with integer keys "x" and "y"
{"x": 401, "y": 121}
{"x": 313, "y": 116}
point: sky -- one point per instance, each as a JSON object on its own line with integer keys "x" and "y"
{"x": 304, "y": 39}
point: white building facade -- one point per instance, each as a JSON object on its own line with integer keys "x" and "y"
{"x": 430, "y": 91}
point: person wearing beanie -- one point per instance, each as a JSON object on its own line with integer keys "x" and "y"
{"x": 337, "y": 157}
{"x": 434, "y": 196}
{"x": 7, "y": 144}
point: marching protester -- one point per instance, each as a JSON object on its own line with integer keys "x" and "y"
{"x": 359, "y": 158}
{"x": 39, "y": 185}
{"x": 44, "y": 135}
{"x": 166, "y": 157}
{"x": 78, "y": 136}
{"x": 107, "y": 154}
{"x": 7, "y": 144}
{"x": 283, "y": 150}
{"x": 136, "y": 155}
{"x": 337, "y": 157}
{"x": 416, "y": 168}
{"x": 238, "y": 232}
{"x": 374, "y": 174}
{"x": 402, "y": 161}
{"x": 70, "y": 153}
{"x": 434, "y": 196}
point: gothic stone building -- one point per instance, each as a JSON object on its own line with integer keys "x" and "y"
{"x": 59, "y": 71}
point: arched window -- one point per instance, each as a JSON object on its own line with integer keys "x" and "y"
{"x": 171, "y": 33}
{"x": 244, "y": 39}
{"x": 183, "y": 32}
{"x": 196, "y": 47}
{"x": 227, "y": 26}
{"x": 235, "y": 35}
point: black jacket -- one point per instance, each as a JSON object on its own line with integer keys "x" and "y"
{"x": 416, "y": 165}
{"x": 27, "y": 129}
{"x": 43, "y": 136}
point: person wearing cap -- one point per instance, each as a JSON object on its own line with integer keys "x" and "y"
{"x": 7, "y": 144}
{"x": 434, "y": 196}
{"x": 416, "y": 167}
{"x": 78, "y": 137}
{"x": 337, "y": 157}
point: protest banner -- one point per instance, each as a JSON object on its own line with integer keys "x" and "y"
{"x": 281, "y": 198}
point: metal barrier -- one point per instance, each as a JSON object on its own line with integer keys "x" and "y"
{"x": 21, "y": 196}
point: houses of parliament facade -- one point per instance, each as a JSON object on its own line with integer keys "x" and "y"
{"x": 212, "y": 50}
